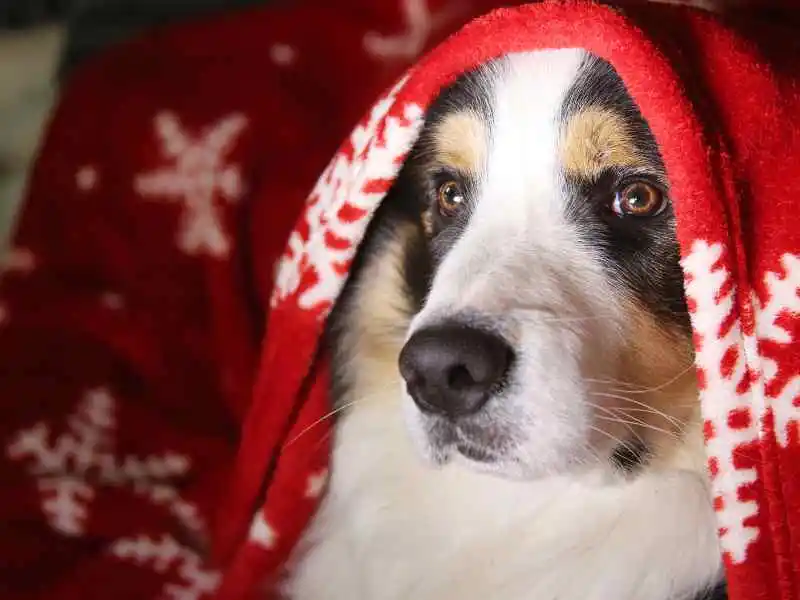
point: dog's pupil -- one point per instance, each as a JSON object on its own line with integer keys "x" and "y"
{"x": 639, "y": 198}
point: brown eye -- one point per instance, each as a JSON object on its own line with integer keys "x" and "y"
{"x": 639, "y": 199}
{"x": 450, "y": 198}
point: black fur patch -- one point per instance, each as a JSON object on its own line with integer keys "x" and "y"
{"x": 641, "y": 254}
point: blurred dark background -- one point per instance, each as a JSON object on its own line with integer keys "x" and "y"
{"x": 93, "y": 24}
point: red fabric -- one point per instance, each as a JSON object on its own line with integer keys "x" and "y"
{"x": 159, "y": 362}
{"x": 133, "y": 306}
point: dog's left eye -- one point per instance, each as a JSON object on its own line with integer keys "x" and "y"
{"x": 450, "y": 198}
{"x": 639, "y": 199}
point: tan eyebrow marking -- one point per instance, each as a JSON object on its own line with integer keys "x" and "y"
{"x": 595, "y": 139}
{"x": 459, "y": 141}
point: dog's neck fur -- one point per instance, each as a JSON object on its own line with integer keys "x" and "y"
{"x": 391, "y": 528}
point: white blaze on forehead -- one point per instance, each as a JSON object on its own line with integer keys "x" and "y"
{"x": 518, "y": 211}
{"x": 522, "y": 174}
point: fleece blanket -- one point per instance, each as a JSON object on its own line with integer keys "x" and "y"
{"x": 163, "y": 386}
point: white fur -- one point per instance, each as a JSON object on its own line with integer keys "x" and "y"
{"x": 395, "y": 528}
{"x": 392, "y": 528}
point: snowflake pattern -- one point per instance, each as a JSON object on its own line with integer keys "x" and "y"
{"x": 341, "y": 203}
{"x": 86, "y": 178}
{"x": 735, "y": 375}
{"x": 282, "y": 54}
{"x": 316, "y": 484}
{"x": 420, "y": 23}
{"x": 199, "y": 179}
{"x": 262, "y": 533}
{"x": 166, "y": 554}
{"x": 65, "y": 466}
{"x": 783, "y": 300}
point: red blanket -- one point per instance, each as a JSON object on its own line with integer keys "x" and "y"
{"x": 161, "y": 399}
{"x": 133, "y": 304}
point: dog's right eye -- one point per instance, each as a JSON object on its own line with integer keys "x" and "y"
{"x": 450, "y": 198}
{"x": 639, "y": 199}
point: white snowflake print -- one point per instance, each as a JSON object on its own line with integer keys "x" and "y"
{"x": 164, "y": 555}
{"x": 733, "y": 379}
{"x": 261, "y": 532}
{"x": 86, "y": 178}
{"x": 70, "y": 467}
{"x": 420, "y": 23}
{"x": 199, "y": 178}
{"x": 282, "y": 54}
{"x": 718, "y": 395}
{"x": 784, "y": 299}
{"x": 316, "y": 484}
{"x": 346, "y": 188}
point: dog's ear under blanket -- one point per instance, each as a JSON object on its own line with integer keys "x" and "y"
{"x": 722, "y": 97}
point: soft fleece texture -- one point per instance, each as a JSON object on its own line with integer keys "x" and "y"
{"x": 154, "y": 325}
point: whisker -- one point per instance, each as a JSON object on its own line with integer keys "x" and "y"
{"x": 680, "y": 425}
{"x": 643, "y": 424}
{"x": 649, "y": 410}
{"x": 638, "y": 389}
{"x": 629, "y": 385}
{"x": 650, "y": 426}
{"x": 654, "y": 410}
{"x": 553, "y": 319}
{"x": 614, "y": 438}
{"x": 572, "y": 319}
{"x": 618, "y": 411}
{"x": 614, "y": 418}
{"x": 323, "y": 418}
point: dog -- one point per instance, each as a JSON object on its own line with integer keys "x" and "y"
{"x": 517, "y": 412}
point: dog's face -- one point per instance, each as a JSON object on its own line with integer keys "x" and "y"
{"x": 553, "y": 330}
{"x": 523, "y": 277}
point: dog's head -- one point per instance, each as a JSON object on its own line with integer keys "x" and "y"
{"x": 523, "y": 277}
{"x": 553, "y": 331}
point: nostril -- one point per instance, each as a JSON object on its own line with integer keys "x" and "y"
{"x": 459, "y": 378}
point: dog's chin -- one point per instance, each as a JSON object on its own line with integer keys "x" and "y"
{"x": 439, "y": 442}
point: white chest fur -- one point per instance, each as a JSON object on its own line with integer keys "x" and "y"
{"x": 391, "y": 528}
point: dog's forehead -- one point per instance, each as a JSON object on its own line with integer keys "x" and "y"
{"x": 522, "y": 169}
{"x": 537, "y": 107}
{"x": 510, "y": 102}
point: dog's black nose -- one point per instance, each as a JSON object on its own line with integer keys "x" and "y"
{"x": 453, "y": 369}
